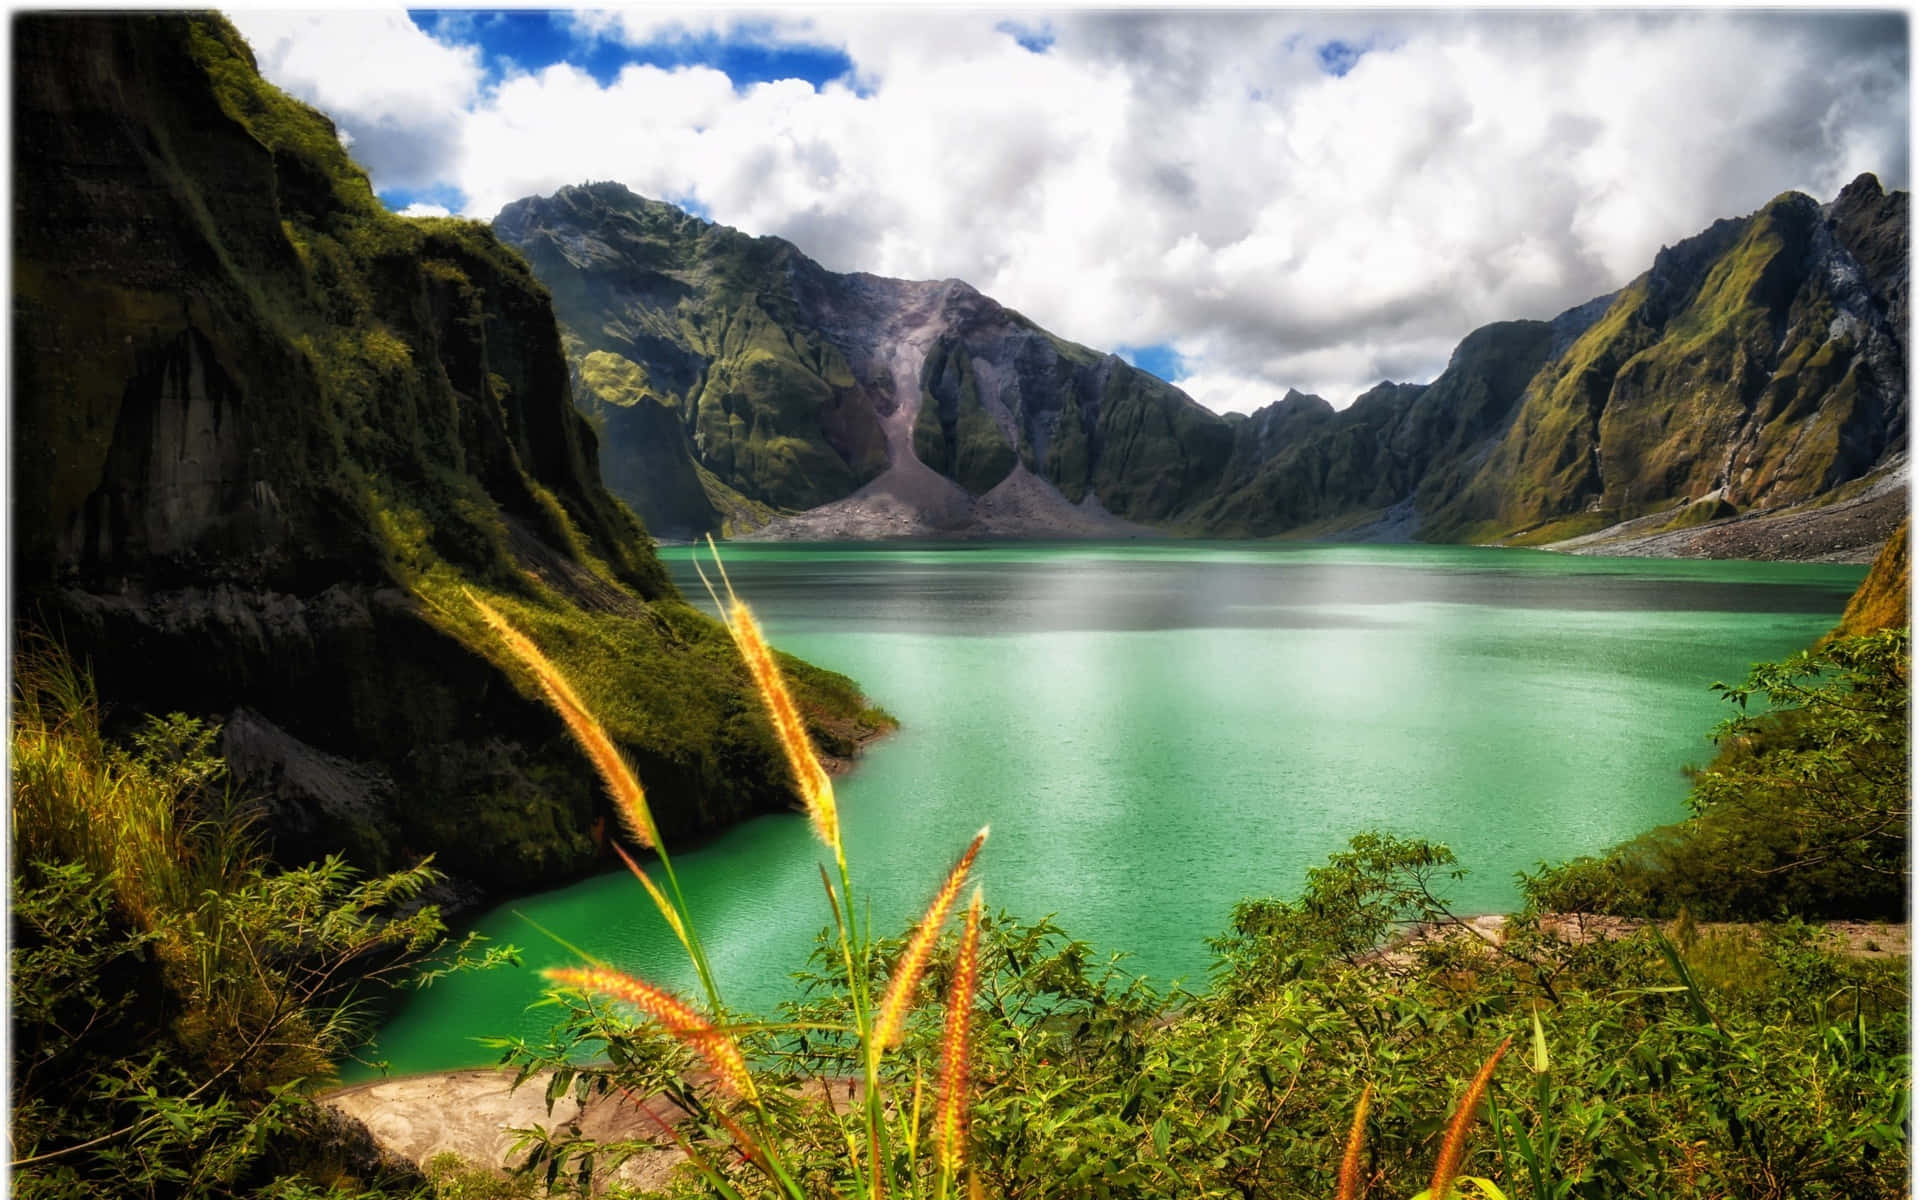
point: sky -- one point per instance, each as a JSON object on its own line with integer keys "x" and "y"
{"x": 1240, "y": 201}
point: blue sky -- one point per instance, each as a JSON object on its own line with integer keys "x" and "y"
{"x": 529, "y": 39}
{"x": 1240, "y": 201}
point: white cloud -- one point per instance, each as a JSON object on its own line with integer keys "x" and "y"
{"x": 398, "y": 96}
{"x": 1186, "y": 178}
{"x": 425, "y": 210}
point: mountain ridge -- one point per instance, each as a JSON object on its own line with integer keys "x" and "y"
{"x": 1756, "y": 365}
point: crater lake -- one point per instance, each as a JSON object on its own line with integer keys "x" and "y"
{"x": 1155, "y": 730}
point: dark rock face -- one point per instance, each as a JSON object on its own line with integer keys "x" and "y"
{"x": 265, "y": 435}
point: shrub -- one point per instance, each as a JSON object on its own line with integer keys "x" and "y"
{"x": 173, "y": 995}
{"x": 1805, "y": 811}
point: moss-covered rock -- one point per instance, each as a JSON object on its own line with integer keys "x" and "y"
{"x": 266, "y": 436}
{"x": 1756, "y": 363}
{"x": 1884, "y": 599}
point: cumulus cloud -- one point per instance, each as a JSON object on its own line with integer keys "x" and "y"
{"x": 1287, "y": 200}
{"x": 425, "y": 210}
{"x": 399, "y": 97}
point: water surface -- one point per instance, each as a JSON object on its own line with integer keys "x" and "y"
{"x": 1156, "y": 730}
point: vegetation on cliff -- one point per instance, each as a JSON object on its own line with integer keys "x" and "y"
{"x": 267, "y": 428}
{"x": 1885, "y": 598}
{"x": 173, "y": 995}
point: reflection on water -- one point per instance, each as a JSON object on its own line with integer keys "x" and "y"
{"x": 1157, "y": 730}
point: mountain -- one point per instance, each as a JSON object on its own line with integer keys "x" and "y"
{"x": 266, "y": 435}
{"x": 1758, "y": 364}
{"x": 884, "y": 405}
{"x": 739, "y": 384}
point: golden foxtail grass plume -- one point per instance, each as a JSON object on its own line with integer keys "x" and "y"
{"x": 1356, "y": 1142}
{"x": 628, "y": 798}
{"x": 950, "y": 1119}
{"x": 1454, "y": 1148}
{"x": 673, "y": 1015}
{"x": 913, "y": 960}
{"x": 816, "y": 787}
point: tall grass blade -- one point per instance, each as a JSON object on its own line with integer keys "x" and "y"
{"x": 660, "y": 901}
{"x": 1695, "y": 1001}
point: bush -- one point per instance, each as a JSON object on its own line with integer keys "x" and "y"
{"x": 1805, "y": 811}
{"x": 173, "y": 995}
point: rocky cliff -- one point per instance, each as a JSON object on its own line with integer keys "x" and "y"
{"x": 1758, "y": 365}
{"x": 1884, "y": 599}
{"x": 266, "y": 433}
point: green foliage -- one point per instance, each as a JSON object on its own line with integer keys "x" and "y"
{"x": 1378, "y": 886}
{"x": 174, "y": 997}
{"x": 1805, "y": 811}
{"x": 1711, "y": 1065}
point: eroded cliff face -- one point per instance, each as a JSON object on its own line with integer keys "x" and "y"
{"x": 1757, "y": 365}
{"x": 267, "y": 434}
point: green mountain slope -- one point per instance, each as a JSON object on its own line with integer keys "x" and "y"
{"x": 1757, "y": 365}
{"x": 266, "y": 434}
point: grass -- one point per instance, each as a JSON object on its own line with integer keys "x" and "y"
{"x": 877, "y": 1026}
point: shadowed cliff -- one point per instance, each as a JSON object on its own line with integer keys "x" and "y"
{"x": 266, "y": 433}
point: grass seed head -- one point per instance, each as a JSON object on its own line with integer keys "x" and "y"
{"x": 629, "y": 800}
{"x": 816, "y": 788}
{"x": 1454, "y": 1148}
{"x": 950, "y": 1121}
{"x": 670, "y": 1013}
{"x": 1356, "y": 1143}
{"x": 913, "y": 960}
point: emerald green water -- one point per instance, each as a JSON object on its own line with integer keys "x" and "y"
{"x": 1157, "y": 730}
